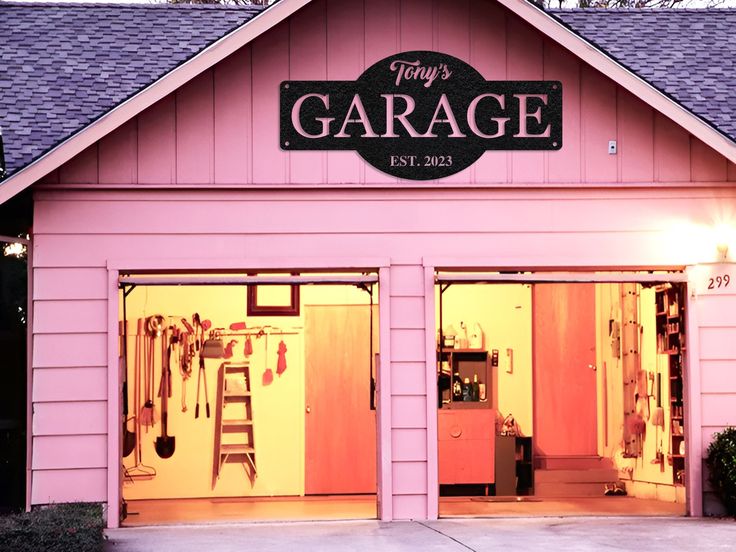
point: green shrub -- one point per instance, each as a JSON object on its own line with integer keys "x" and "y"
{"x": 721, "y": 463}
{"x": 58, "y": 528}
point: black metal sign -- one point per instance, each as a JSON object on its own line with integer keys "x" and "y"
{"x": 421, "y": 115}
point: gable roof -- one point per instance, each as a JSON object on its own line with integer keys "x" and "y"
{"x": 64, "y": 65}
{"x": 209, "y": 41}
{"x": 688, "y": 54}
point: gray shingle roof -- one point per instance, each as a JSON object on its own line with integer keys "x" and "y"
{"x": 688, "y": 54}
{"x": 64, "y": 65}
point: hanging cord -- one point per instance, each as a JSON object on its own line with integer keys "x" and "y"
{"x": 368, "y": 288}
{"x": 370, "y": 363}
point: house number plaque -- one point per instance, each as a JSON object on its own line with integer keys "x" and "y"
{"x": 421, "y": 115}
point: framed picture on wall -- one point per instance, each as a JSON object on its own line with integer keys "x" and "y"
{"x": 273, "y": 300}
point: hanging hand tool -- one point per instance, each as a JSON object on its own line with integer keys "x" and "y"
{"x": 165, "y": 444}
{"x": 185, "y": 364}
{"x": 154, "y": 330}
{"x": 201, "y": 375}
{"x": 128, "y": 436}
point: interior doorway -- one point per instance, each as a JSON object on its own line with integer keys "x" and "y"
{"x": 561, "y": 398}
{"x": 248, "y": 398}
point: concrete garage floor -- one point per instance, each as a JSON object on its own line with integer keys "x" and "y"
{"x": 569, "y": 534}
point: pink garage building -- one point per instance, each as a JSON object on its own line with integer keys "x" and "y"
{"x": 389, "y": 258}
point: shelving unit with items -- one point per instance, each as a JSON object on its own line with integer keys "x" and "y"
{"x": 670, "y": 321}
{"x": 465, "y": 378}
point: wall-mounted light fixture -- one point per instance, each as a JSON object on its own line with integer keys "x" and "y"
{"x": 724, "y": 235}
{"x": 722, "y": 249}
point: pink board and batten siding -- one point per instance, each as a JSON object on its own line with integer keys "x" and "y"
{"x": 178, "y": 182}
{"x": 222, "y": 127}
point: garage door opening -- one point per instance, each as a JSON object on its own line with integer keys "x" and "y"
{"x": 248, "y": 397}
{"x": 561, "y": 398}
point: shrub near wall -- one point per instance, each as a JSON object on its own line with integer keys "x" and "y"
{"x": 58, "y": 528}
{"x": 721, "y": 463}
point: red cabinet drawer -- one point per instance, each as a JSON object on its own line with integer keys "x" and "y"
{"x": 466, "y": 424}
{"x": 466, "y": 446}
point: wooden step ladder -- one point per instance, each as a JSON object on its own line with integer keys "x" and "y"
{"x": 234, "y": 441}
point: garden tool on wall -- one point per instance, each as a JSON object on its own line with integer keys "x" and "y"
{"x": 166, "y": 444}
{"x": 197, "y": 332}
{"x": 642, "y": 394}
{"x": 248, "y": 345}
{"x": 154, "y": 330}
{"x": 186, "y": 354}
{"x": 128, "y": 436}
{"x": 267, "y": 378}
{"x": 213, "y": 347}
{"x": 201, "y": 375}
{"x": 230, "y": 349}
{"x": 281, "y": 363}
{"x": 139, "y": 470}
{"x": 165, "y": 364}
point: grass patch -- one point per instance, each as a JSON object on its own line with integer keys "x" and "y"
{"x": 59, "y": 528}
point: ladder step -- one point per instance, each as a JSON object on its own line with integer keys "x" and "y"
{"x": 236, "y": 449}
{"x": 237, "y": 368}
{"x": 236, "y": 423}
{"x": 237, "y": 393}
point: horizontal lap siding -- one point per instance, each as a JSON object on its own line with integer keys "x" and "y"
{"x": 59, "y": 284}
{"x": 716, "y": 317}
{"x": 87, "y": 417}
{"x": 222, "y": 128}
{"x": 70, "y": 384}
{"x": 70, "y": 452}
{"x": 409, "y": 390}
{"x": 74, "y": 485}
{"x": 558, "y": 249}
{"x": 486, "y": 214}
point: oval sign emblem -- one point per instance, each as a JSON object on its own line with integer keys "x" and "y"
{"x": 421, "y": 115}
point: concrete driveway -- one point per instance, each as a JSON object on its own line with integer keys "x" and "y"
{"x": 549, "y": 534}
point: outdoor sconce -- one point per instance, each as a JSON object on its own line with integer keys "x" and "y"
{"x": 722, "y": 251}
{"x": 724, "y": 235}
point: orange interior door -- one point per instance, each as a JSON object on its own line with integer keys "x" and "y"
{"x": 565, "y": 414}
{"x": 340, "y": 439}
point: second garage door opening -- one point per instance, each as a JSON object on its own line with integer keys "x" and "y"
{"x": 561, "y": 398}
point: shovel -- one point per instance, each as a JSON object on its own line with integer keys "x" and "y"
{"x": 165, "y": 444}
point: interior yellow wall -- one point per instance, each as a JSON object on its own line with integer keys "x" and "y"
{"x": 278, "y": 409}
{"x": 637, "y": 470}
{"x": 504, "y": 313}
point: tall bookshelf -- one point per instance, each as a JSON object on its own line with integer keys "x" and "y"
{"x": 670, "y": 317}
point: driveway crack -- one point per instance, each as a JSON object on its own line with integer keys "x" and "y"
{"x": 446, "y": 536}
